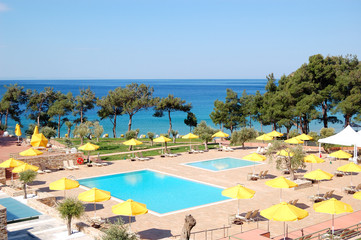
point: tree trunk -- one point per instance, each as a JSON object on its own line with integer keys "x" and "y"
{"x": 81, "y": 140}
{"x": 274, "y": 126}
{"x": 151, "y": 142}
{"x": 59, "y": 127}
{"x": 347, "y": 120}
{"x": 6, "y": 117}
{"x": 206, "y": 146}
{"x": 38, "y": 119}
{"x": 68, "y": 225}
{"x": 324, "y": 114}
{"x": 68, "y": 132}
{"x": 189, "y": 223}
{"x": 25, "y": 195}
{"x": 115, "y": 125}
{"x": 130, "y": 123}
{"x": 261, "y": 127}
{"x": 170, "y": 123}
{"x": 81, "y": 115}
{"x": 289, "y": 166}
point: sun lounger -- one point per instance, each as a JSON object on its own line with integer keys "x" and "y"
{"x": 192, "y": 151}
{"x": 254, "y": 215}
{"x": 253, "y": 177}
{"x": 350, "y": 189}
{"x": 307, "y": 237}
{"x": 227, "y": 149}
{"x": 339, "y": 173}
{"x": 330, "y": 194}
{"x": 66, "y": 165}
{"x": 294, "y": 202}
{"x": 44, "y": 168}
{"x": 200, "y": 151}
{"x": 245, "y": 218}
{"x": 140, "y": 157}
{"x": 263, "y": 175}
{"x": 170, "y": 154}
{"x": 258, "y": 150}
{"x": 71, "y": 164}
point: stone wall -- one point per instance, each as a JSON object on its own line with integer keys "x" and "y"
{"x": 53, "y": 161}
{"x": 2, "y": 176}
{"x": 3, "y": 223}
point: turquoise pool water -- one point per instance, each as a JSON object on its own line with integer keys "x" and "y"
{"x": 16, "y": 211}
{"x": 222, "y": 164}
{"x": 161, "y": 193}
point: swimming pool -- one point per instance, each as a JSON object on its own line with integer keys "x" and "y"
{"x": 162, "y": 193}
{"x": 221, "y": 164}
{"x": 16, "y": 211}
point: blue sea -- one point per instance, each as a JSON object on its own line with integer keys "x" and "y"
{"x": 200, "y": 92}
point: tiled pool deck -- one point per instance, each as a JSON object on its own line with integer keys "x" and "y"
{"x": 150, "y": 226}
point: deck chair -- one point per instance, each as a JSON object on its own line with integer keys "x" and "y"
{"x": 253, "y": 177}
{"x": 71, "y": 164}
{"x": 294, "y": 202}
{"x": 141, "y": 157}
{"x": 170, "y": 154}
{"x": 339, "y": 173}
{"x": 307, "y": 237}
{"x": 66, "y": 165}
{"x": 258, "y": 150}
{"x": 44, "y": 168}
{"x": 254, "y": 215}
{"x": 264, "y": 175}
{"x": 330, "y": 193}
{"x": 200, "y": 151}
{"x": 246, "y": 218}
{"x": 358, "y": 188}
{"x": 350, "y": 189}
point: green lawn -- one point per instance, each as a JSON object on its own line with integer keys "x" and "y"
{"x": 114, "y": 145}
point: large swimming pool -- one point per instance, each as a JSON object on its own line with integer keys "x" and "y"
{"x": 16, "y": 211}
{"x": 162, "y": 193}
{"x": 222, "y": 164}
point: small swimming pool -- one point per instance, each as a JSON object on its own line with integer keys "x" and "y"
{"x": 16, "y": 211}
{"x": 221, "y": 164}
{"x": 162, "y": 193}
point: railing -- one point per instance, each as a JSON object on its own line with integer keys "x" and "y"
{"x": 208, "y": 234}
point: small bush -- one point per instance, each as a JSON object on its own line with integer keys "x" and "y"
{"x": 118, "y": 231}
{"x": 131, "y": 134}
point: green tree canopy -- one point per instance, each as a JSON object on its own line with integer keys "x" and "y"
{"x": 63, "y": 105}
{"x": 70, "y": 208}
{"x": 204, "y": 132}
{"x": 245, "y": 134}
{"x": 111, "y": 106}
{"x": 170, "y": 104}
{"x": 11, "y": 101}
{"x": 83, "y": 102}
{"x": 190, "y": 121}
{"x": 27, "y": 177}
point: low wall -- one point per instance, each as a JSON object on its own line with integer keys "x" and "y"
{"x": 2, "y": 176}
{"x": 52, "y": 161}
{"x": 42, "y": 204}
{"x": 3, "y": 223}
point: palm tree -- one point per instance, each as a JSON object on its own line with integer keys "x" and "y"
{"x": 69, "y": 208}
{"x": 26, "y": 177}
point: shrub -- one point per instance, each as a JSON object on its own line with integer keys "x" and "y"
{"x": 118, "y": 231}
{"x": 70, "y": 208}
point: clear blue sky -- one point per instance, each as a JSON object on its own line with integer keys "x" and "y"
{"x": 77, "y": 39}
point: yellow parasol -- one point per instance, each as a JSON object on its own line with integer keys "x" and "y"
{"x": 25, "y": 167}
{"x": 318, "y": 175}
{"x": 10, "y": 163}
{"x": 255, "y": 157}
{"x": 311, "y": 158}
{"x": 162, "y": 140}
{"x": 275, "y": 134}
{"x": 130, "y": 208}
{"x": 94, "y": 195}
{"x": 350, "y": 167}
{"x": 281, "y": 182}
{"x": 132, "y": 142}
{"x": 38, "y": 140}
{"x": 293, "y": 141}
{"x": 238, "y": 192}
{"x": 332, "y": 206}
{"x": 220, "y": 134}
{"x": 18, "y": 131}
{"x": 190, "y": 136}
{"x": 284, "y": 212}
{"x": 340, "y": 154}
{"x": 304, "y": 137}
{"x": 63, "y": 184}
{"x": 88, "y": 147}
{"x": 36, "y": 130}
{"x": 30, "y": 152}
{"x": 285, "y": 152}
{"x": 357, "y": 195}
{"x": 264, "y": 137}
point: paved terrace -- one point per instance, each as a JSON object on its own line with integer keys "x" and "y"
{"x": 150, "y": 226}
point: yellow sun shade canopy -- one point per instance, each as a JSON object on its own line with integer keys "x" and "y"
{"x": 275, "y": 134}
{"x": 318, "y": 175}
{"x": 350, "y": 167}
{"x": 38, "y": 140}
{"x": 88, "y": 147}
{"x": 293, "y": 141}
{"x": 313, "y": 159}
{"x": 340, "y": 154}
{"x": 357, "y": 195}
{"x": 25, "y": 167}
{"x": 304, "y": 137}
{"x": 10, "y": 163}
{"x": 285, "y": 153}
{"x": 30, "y": 152}
{"x": 94, "y": 195}
{"x": 190, "y": 136}
{"x": 284, "y": 212}
{"x": 17, "y": 130}
{"x": 162, "y": 139}
{"x": 281, "y": 182}
{"x": 63, "y": 184}
{"x": 332, "y": 206}
{"x": 130, "y": 208}
{"x": 255, "y": 157}
{"x": 264, "y": 137}
{"x": 132, "y": 142}
{"x": 220, "y": 134}
{"x": 36, "y": 130}
{"x": 238, "y": 192}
